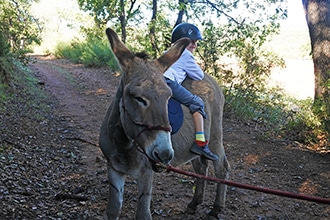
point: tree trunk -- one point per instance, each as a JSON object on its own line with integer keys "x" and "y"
{"x": 183, "y": 9}
{"x": 122, "y": 19}
{"x": 152, "y": 29}
{"x": 318, "y": 20}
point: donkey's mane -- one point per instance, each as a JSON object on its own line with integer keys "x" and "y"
{"x": 143, "y": 55}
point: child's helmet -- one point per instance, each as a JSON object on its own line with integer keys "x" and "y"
{"x": 186, "y": 30}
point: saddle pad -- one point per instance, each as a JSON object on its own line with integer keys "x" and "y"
{"x": 175, "y": 115}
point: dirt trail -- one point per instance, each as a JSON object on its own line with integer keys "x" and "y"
{"x": 81, "y": 96}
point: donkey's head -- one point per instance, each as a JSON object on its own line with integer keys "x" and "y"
{"x": 144, "y": 97}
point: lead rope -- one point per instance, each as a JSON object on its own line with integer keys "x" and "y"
{"x": 251, "y": 187}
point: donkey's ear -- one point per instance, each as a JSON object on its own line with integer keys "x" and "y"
{"x": 173, "y": 54}
{"x": 123, "y": 54}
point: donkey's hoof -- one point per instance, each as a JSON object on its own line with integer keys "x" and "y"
{"x": 211, "y": 217}
{"x": 190, "y": 210}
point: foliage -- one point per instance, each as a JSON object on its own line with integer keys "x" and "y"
{"x": 275, "y": 114}
{"x": 94, "y": 52}
{"x": 253, "y": 28}
{"x": 161, "y": 39}
{"x": 17, "y": 79}
{"x": 321, "y": 108}
{"x": 119, "y": 13}
{"x": 239, "y": 63}
{"x": 4, "y": 46}
{"x": 5, "y": 66}
{"x": 18, "y": 26}
{"x": 104, "y": 11}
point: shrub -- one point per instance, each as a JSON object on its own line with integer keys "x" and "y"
{"x": 274, "y": 114}
{"x": 4, "y": 46}
{"x": 93, "y": 52}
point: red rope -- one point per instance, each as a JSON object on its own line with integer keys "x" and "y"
{"x": 250, "y": 187}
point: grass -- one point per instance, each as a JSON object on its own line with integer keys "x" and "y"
{"x": 6, "y": 70}
{"x": 3, "y": 93}
{"x": 91, "y": 53}
{"x": 19, "y": 79}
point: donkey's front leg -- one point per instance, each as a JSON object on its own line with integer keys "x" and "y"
{"x": 145, "y": 193}
{"x": 116, "y": 191}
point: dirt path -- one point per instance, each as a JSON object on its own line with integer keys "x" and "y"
{"x": 82, "y": 96}
{"x": 79, "y": 98}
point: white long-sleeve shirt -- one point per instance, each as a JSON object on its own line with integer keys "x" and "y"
{"x": 185, "y": 66}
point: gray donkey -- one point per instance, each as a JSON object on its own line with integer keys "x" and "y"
{"x": 136, "y": 134}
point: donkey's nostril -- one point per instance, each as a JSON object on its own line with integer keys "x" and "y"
{"x": 163, "y": 156}
{"x": 157, "y": 157}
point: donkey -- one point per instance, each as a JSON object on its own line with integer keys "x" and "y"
{"x": 136, "y": 133}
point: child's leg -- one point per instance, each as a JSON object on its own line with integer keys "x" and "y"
{"x": 199, "y": 126}
{"x": 196, "y": 107}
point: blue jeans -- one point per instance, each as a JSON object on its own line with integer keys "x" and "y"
{"x": 185, "y": 97}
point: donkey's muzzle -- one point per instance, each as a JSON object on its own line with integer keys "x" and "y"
{"x": 160, "y": 150}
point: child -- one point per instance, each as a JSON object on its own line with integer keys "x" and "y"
{"x": 186, "y": 66}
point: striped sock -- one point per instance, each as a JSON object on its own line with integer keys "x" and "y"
{"x": 199, "y": 136}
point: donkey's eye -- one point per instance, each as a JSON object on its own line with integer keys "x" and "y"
{"x": 141, "y": 101}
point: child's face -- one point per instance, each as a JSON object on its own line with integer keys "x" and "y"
{"x": 192, "y": 46}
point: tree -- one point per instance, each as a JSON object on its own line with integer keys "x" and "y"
{"x": 18, "y": 26}
{"x": 18, "y": 31}
{"x": 182, "y": 9}
{"x": 152, "y": 28}
{"x": 105, "y": 11}
{"x": 238, "y": 36}
{"x": 318, "y": 20}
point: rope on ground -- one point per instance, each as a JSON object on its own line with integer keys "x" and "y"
{"x": 251, "y": 187}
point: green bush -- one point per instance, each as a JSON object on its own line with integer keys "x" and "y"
{"x": 4, "y": 46}
{"x": 15, "y": 78}
{"x": 71, "y": 51}
{"x": 274, "y": 114}
{"x": 6, "y": 69}
{"x": 93, "y": 52}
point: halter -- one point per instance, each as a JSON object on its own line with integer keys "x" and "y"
{"x": 146, "y": 127}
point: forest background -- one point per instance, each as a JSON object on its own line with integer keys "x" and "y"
{"x": 260, "y": 52}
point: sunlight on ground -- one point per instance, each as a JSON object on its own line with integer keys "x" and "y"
{"x": 251, "y": 159}
{"x": 309, "y": 187}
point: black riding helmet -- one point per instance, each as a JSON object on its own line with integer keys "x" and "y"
{"x": 186, "y": 30}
